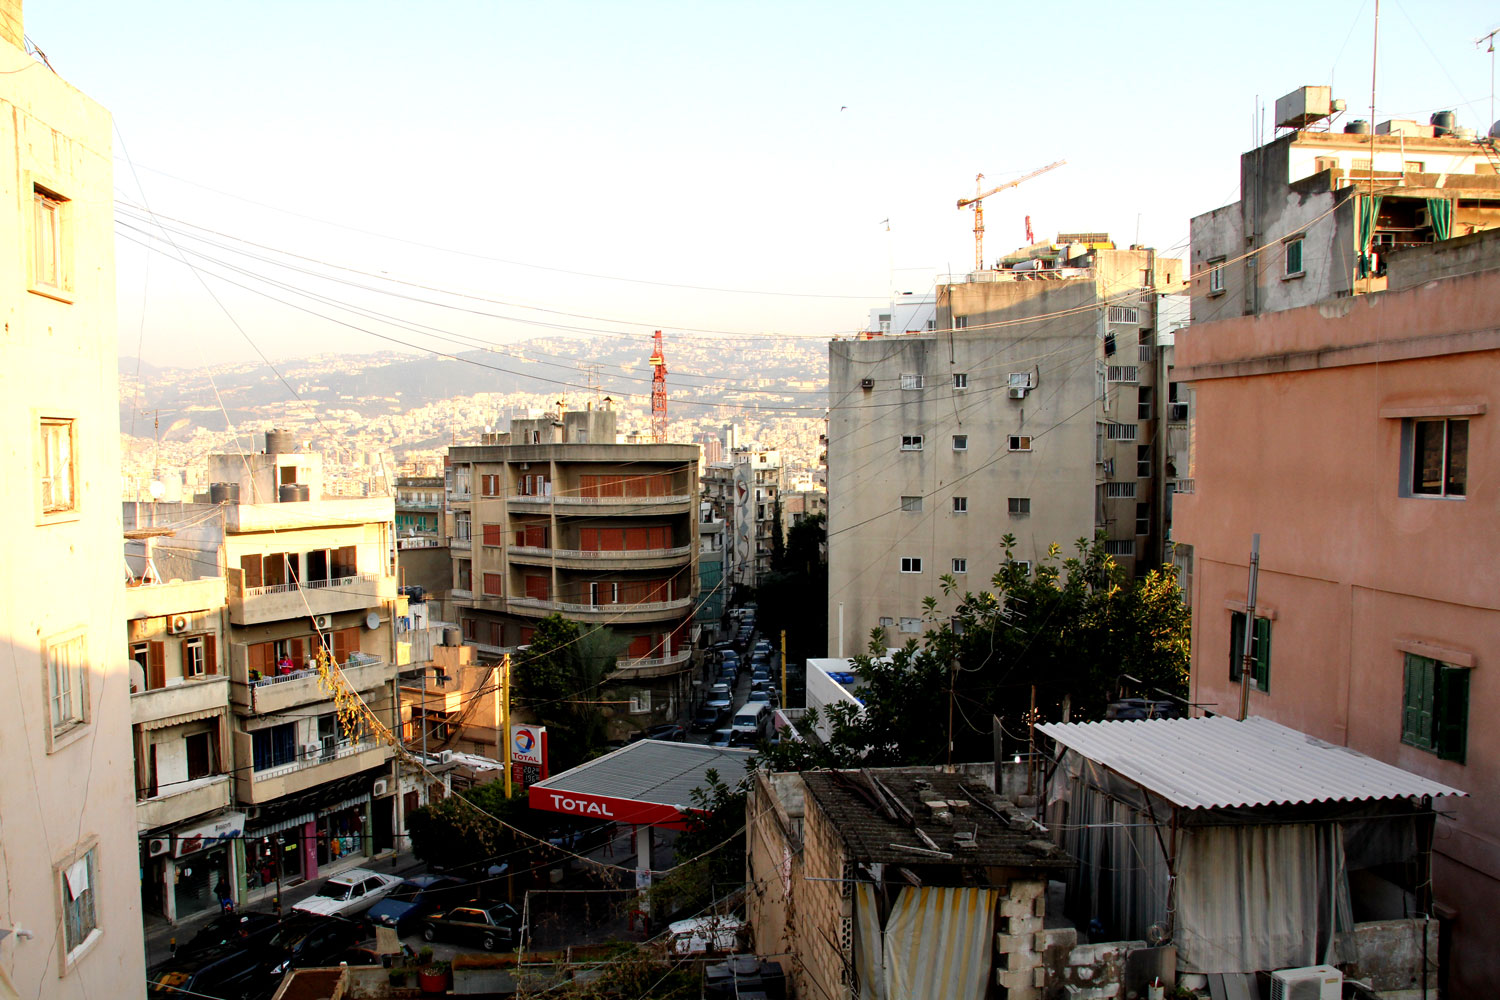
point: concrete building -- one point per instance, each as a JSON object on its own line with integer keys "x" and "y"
{"x": 1306, "y": 198}
{"x": 303, "y": 577}
{"x": 1030, "y": 410}
{"x": 1353, "y": 435}
{"x": 555, "y": 517}
{"x": 69, "y": 866}
{"x": 419, "y": 511}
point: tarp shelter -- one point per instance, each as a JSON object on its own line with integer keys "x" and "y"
{"x": 648, "y": 783}
{"x": 1236, "y": 840}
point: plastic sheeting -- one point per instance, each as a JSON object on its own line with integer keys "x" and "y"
{"x": 936, "y": 944}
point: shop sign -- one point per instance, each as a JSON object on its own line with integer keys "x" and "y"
{"x": 528, "y": 745}
{"x": 190, "y": 840}
{"x": 604, "y": 807}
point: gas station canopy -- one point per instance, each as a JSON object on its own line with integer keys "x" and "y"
{"x": 646, "y": 783}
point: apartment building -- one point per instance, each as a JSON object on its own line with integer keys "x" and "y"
{"x": 1030, "y": 409}
{"x": 303, "y": 577}
{"x": 1353, "y": 436}
{"x": 554, "y": 517}
{"x": 68, "y": 868}
{"x": 419, "y": 511}
{"x": 744, "y": 492}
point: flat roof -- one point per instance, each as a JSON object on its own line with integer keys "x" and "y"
{"x": 649, "y": 782}
{"x": 1217, "y": 762}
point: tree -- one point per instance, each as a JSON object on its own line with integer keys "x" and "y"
{"x": 794, "y": 595}
{"x": 452, "y": 833}
{"x": 710, "y": 853}
{"x": 1068, "y": 631}
{"x": 559, "y": 679}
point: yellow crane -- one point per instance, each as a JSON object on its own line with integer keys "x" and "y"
{"x": 978, "y": 202}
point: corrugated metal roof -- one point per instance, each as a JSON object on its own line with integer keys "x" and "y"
{"x": 1217, "y": 762}
{"x": 659, "y": 772}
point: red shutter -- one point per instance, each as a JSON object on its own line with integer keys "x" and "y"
{"x": 588, "y": 539}
{"x": 640, "y": 647}
{"x": 538, "y": 587}
{"x": 526, "y": 634}
{"x": 211, "y": 654}
{"x": 612, "y": 539}
{"x": 536, "y": 536}
{"x": 635, "y": 486}
{"x": 492, "y": 586}
{"x": 492, "y": 534}
{"x": 250, "y": 567}
{"x": 588, "y": 486}
{"x": 345, "y": 640}
{"x": 495, "y": 635}
{"x": 156, "y": 665}
{"x": 637, "y": 539}
{"x": 299, "y": 653}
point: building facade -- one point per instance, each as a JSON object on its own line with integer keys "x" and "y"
{"x": 1354, "y": 437}
{"x": 1030, "y": 411}
{"x": 69, "y": 865}
{"x": 554, "y": 517}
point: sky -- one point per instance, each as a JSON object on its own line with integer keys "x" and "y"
{"x": 508, "y": 170}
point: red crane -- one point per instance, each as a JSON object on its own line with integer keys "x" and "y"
{"x": 658, "y": 392}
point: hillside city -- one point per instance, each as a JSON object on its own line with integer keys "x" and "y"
{"x": 1107, "y": 621}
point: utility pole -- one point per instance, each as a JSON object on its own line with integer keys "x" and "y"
{"x": 1247, "y": 645}
{"x": 783, "y": 667}
{"x": 1489, "y": 39}
{"x": 505, "y": 688}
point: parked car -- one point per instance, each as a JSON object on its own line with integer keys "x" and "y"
{"x": 1142, "y": 708}
{"x": 239, "y": 929}
{"x": 706, "y": 719}
{"x": 222, "y": 970}
{"x": 405, "y": 906}
{"x": 354, "y": 891}
{"x": 668, "y": 731}
{"x": 307, "y": 941}
{"x": 488, "y": 927}
{"x": 697, "y": 935}
{"x": 721, "y": 738}
{"x": 762, "y": 696}
{"x": 720, "y": 690}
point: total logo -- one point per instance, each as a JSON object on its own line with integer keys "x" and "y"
{"x": 525, "y": 740}
{"x": 580, "y": 806}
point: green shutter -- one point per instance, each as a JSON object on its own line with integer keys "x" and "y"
{"x": 1451, "y": 712}
{"x": 1236, "y": 637}
{"x": 1411, "y": 706}
{"x": 1419, "y": 701}
{"x": 1263, "y": 653}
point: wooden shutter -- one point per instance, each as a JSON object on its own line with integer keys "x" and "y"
{"x": 588, "y": 486}
{"x": 536, "y": 536}
{"x": 210, "y": 654}
{"x": 1417, "y": 710}
{"x": 299, "y": 653}
{"x": 1263, "y": 653}
{"x": 637, "y": 539}
{"x": 635, "y": 486}
{"x": 262, "y": 658}
{"x": 538, "y": 587}
{"x": 346, "y": 561}
{"x": 1451, "y": 713}
{"x": 250, "y": 567}
{"x": 492, "y": 586}
{"x": 640, "y": 647}
{"x": 343, "y": 642}
{"x": 588, "y": 539}
{"x": 495, "y": 635}
{"x": 612, "y": 539}
{"x": 156, "y": 665}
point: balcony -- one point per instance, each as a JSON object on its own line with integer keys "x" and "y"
{"x": 572, "y": 503}
{"x": 1184, "y": 486}
{"x": 610, "y": 613}
{"x": 602, "y": 559}
{"x": 246, "y": 518}
{"x": 279, "y": 602}
{"x": 158, "y": 600}
{"x": 655, "y": 666}
{"x": 181, "y": 801}
{"x": 188, "y": 698}
{"x": 304, "y": 687}
{"x": 310, "y": 769}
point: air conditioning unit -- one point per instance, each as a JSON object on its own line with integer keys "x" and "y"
{"x": 1018, "y": 392}
{"x": 380, "y": 787}
{"x": 444, "y": 756}
{"x": 1314, "y": 982}
{"x": 311, "y": 749}
{"x": 322, "y": 621}
{"x": 177, "y": 624}
{"x": 158, "y": 845}
{"x": 867, "y": 383}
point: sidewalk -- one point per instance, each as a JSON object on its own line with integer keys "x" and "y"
{"x": 160, "y": 934}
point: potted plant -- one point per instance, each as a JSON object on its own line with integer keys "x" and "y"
{"x": 433, "y": 977}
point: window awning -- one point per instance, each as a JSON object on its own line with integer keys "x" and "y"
{"x": 177, "y": 720}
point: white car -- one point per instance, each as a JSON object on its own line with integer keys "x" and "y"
{"x": 354, "y": 891}
{"x": 697, "y": 935}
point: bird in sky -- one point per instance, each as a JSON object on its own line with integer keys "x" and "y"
{"x": 844, "y": 108}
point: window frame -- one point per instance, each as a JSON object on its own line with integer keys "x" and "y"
{"x": 909, "y": 626}
{"x": 1411, "y": 457}
{"x": 1216, "y": 275}
{"x": 189, "y": 644}
{"x": 912, "y": 442}
{"x": 960, "y": 380}
{"x": 86, "y": 853}
{"x": 1260, "y": 651}
{"x": 42, "y": 469}
{"x": 960, "y": 565}
{"x": 960, "y": 442}
{"x": 1444, "y": 703}
{"x": 912, "y": 380}
{"x": 1299, "y": 242}
{"x": 62, "y": 289}
{"x": 1018, "y": 442}
{"x": 62, "y": 733}
{"x": 911, "y": 564}
{"x": 960, "y": 505}
{"x": 911, "y": 504}
{"x": 1018, "y": 506}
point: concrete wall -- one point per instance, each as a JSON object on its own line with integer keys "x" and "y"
{"x": 1299, "y": 437}
{"x": 66, "y": 793}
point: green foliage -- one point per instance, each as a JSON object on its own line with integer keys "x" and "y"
{"x": 710, "y": 853}
{"x": 451, "y": 833}
{"x": 794, "y": 595}
{"x": 559, "y": 679}
{"x": 1071, "y": 628}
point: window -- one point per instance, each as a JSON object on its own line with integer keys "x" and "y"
{"x": 493, "y": 534}
{"x": 1216, "y": 276}
{"x": 55, "y": 465}
{"x": 1143, "y": 519}
{"x": 470, "y": 628}
{"x": 1143, "y": 402}
{"x": 886, "y": 621}
{"x": 1143, "y": 461}
{"x": 960, "y": 442}
{"x": 1177, "y": 394}
{"x": 960, "y": 322}
{"x": 200, "y": 755}
{"x": 274, "y": 746}
{"x": 1024, "y": 565}
{"x": 1019, "y": 380}
{"x": 492, "y": 585}
{"x": 67, "y": 683}
{"x": 1124, "y": 373}
{"x": 1439, "y": 457}
{"x": 1119, "y": 491}
{"x": 1435, "y": 713}
{"x": 912, "y": 505}
{"x": 77, "y": 881}
{"x": 463, "y": 526}
{"x": 885, "y": 322}
{"x": 911, "y": 442}
{"x": 1119, "y": 547}
{"x": 960, "y": 566}
{"x": 1018, "y": 506}
{"x": 1020, "y": 442}
{"x": 960, "y": 380}
{"x": 1260, "y": 650}
{"x": 640, "y": 703}
{"x": 194, "y": 663}
{"x": 1120, "y": 432}
{"x": 1293, "y": 257}
{"x": 911, "y": 564}
{"x": 489, "y": 486}
{"x": 912, "y": 625}
{"x": 51, "y": 252}
{"x": 960, "y": 505}
{"x": 910, "y": 381}
{"x": 465, "y": 574}
{"x": 931, "y": 325}
{"x": 1124, "y": 314}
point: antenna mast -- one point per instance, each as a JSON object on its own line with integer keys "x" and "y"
{"x": 658, "y": 392}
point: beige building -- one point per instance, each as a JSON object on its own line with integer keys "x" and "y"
{"x": 304, "y": 573}
{"x": 1030, "y": 409}
{"x": 554, "y": 517}
{"x": 68, "y": 871}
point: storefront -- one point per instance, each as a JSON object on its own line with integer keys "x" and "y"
{"x": 193, "y": 868}
{"x": 343, "y": 830}
{"x": 273, "y": 852}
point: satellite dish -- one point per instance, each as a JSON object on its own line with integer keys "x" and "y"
{"x": 157, "y": 489}
{"x": 372, "y": 621}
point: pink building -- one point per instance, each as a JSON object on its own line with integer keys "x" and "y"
{"x": 1355, "y": 437}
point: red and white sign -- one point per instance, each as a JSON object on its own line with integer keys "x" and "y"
{"x": 528, "y": 745}
{"x": 605, "y": 807}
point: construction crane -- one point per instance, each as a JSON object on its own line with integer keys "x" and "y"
{"x": 978, "y": 202}
{"x": 658, "y": 392}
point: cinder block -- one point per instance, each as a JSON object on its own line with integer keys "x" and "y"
{"x": 1027, "y": 889}
{"x": 1017, "y": 908}
{"x": 1014, "y": 979}
{"x": 1039, "y": 977}
{"x": 1020, "y": 926}
{"x": 1007, "y": 943}
{"x": 1018, "y": 960}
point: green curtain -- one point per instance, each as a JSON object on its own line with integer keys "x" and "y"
{"x": 1440, "y": 211}
{"x": 1369, "y": 211}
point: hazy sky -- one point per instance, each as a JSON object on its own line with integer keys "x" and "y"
{"x": 694, "y": 144}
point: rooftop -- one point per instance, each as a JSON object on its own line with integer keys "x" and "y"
{"x": 923, "y": 816}
{"x": 1205, "y": 763}
{"x": 650, "y": 773}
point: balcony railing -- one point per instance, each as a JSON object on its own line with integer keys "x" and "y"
{"x": 618, "y": 608}
{"x": 531, "y": 550}
{"x": 648, "y": 662}
{"x": 570, "y": 498}
{"x": 287, "y": 588}
{"x": 1184, "y": 486}
{"x": 311, "y": 758}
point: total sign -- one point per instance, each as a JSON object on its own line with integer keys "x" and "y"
{"x": 528, "y": 745}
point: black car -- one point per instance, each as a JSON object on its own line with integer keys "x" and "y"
{"x": 1141, "y": 708}
{"x": 244, "y": 930}
{"x": 225, "y": 970}
{"x": 706, "y": 719}
{"x": 489, "y": 927}
{"x": 312, "y": 940}
{"x": 669, "y": 731}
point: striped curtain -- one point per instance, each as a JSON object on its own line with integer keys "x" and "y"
{"x": 937, "y": 944}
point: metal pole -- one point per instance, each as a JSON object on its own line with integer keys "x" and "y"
{"x": 505, "y": 697}
{"x": 1247, "y": 640}
{"x": 783, "y": 667}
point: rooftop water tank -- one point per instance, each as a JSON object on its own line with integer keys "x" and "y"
{"x": 1442, "y": 123}
{"x": 280, "y": 442}
{"x": 1357, "y": 127}
{"x": 224, "y": 492}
